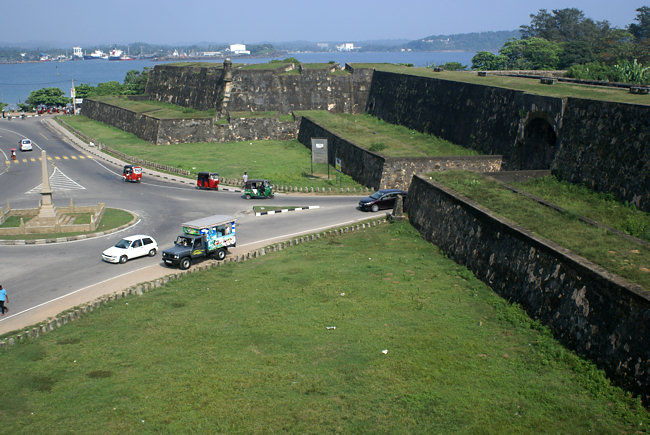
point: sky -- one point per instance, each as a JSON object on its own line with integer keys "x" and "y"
{"x": 182, "y": 22}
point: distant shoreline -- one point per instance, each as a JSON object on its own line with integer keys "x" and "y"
{"x": 222, "y": 58}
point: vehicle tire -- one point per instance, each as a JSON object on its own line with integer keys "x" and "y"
{"x": 248, "y": 196}
{"x": 220, "y": 254}
{"x": 152, "y": 253}
{"x": 123, "y": 259}
{"x": 374, "y": 207}
{"x": 185, "y": 263}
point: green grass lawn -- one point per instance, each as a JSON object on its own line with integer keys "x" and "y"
{"x": 420, "y": 346}
{"x": 616, "y": 254}
{"x": 384, "y": 138}
{"x": 111, "y": 219}
{"x": 532, "y": 86}
{"x": 601, "y": 207}
{"x": 281, "y": 162}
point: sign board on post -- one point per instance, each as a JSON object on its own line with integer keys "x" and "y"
{"x": 319, "y": 153}
{"x": 318, "y": 150}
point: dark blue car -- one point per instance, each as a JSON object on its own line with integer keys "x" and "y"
{"x": 384, "y": 198}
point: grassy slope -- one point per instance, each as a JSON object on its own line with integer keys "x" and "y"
{"x": 384, "y": 138}
{"x": 244, "y": 348}
{"x": 619, "y": 255}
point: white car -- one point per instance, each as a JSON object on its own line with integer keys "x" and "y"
{"x": 131, "y": 247}
{"x": 25, "y": 144}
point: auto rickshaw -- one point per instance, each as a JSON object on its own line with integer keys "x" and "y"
{"x": 207, "y": 180}
{"x": 258, "y": 189}
{"x": 132, "y": 173}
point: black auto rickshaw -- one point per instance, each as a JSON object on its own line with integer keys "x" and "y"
{"x": 258, "y": 189}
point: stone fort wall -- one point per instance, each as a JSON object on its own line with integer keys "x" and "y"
{"x": 593, "y": 312}
{"x": 260, "y": 90}
{"x": 602, "y": 144}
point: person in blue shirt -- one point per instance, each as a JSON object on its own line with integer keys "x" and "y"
{"x": 4, "y": 300}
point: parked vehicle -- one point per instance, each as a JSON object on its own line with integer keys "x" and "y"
{"x": 132, "y": 173}
{"x": 201, "y": 238}
{"x": 25, "y": 145}
{"x": 131, "y": 247}
{"x": 381, "y": 199}
{"x": 258, "y": 189}
{"x": 207, "y": 180}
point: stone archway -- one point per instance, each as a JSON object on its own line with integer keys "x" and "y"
{"x": 537, "y": 147}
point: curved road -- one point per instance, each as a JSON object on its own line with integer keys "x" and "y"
{"x": 36, "y": 275}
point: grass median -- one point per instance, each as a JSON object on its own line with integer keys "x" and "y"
{"x": 112, "y": 218}
{"x": 375, "y": 332}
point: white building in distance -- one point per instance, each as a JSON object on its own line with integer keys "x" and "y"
{"x": 346, "y": 46}
{"x": 239, "y": 49}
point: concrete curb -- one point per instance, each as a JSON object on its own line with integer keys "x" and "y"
{"x": 284, "y": 210}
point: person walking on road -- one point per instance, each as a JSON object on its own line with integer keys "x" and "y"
{"x": 4, "y": 300}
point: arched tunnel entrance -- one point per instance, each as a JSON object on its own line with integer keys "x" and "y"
{"x": 537, "y": 148}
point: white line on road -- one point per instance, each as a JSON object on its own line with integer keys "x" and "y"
{"x": 71, "y": 293}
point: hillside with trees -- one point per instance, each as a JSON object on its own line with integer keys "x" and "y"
{"x": 477, "y": 41}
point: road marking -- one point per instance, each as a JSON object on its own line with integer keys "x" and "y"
{"x": 59, "y": 182}
{"x": 71, "y": 293}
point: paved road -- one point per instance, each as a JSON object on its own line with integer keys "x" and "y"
{"x": 36, "y": 275}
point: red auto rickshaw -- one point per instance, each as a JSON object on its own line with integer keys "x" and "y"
{"x": 207, "y": 180}
{"x": 132, "y": 173}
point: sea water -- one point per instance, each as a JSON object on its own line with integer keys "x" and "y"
{"x": 18, "y": 80}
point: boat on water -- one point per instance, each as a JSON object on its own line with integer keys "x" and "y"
{"x": 117, "y": 54}
{"x": 97, "y": 54}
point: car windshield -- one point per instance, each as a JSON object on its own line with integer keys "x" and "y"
{"x": 183, "y": 241}
{"x": 123, "y": 244}
{"x": 376, "y": 195}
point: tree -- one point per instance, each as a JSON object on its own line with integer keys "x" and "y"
{"x": 562, "y": 25}
{"x": 453, "y": 66}
{"x": 532, "y": 53}
{"x": 575, "y": 53}
{"x": 83, "y": 90}
{"x": 614, "y": 46}
{"x": 135, "y": 82}
{"x": 108, "y": 88}
{"x": 484, "y": 60}
{"x": 641, "y": 30}
{"x": 48, "y": 97}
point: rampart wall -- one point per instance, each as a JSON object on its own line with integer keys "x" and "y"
{"x": 590, "y": 310}
{"x": 602, "y": 144}
{"x": 168, "y": 131}
{"x": 260, "y": 90}
{"x": 607, "y": 147}
{"x": 380, "y": 172}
